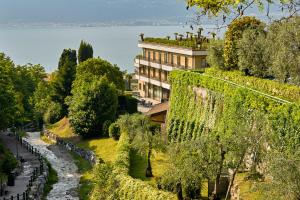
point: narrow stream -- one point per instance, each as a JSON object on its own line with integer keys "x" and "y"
{"x": 63, "y": 164}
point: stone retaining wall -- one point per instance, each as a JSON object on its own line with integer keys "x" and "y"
{"x": 85, "y": 154}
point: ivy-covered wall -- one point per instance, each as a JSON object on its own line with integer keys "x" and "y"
{"x": 214, "y": 101}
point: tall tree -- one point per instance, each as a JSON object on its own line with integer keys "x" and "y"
{"x": 92, "y": 104}
{"x": 97, "y": 67}
{"x": 64, "y": 78}
{"x": 253, "y": 59}
{"x": 283, "y": 46}
{"x": 85, "y": 51}
{"x": 144, "y": 136}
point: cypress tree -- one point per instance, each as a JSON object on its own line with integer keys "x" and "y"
{"x": 85, "y": 51}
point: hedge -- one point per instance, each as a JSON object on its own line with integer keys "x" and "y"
{"x": 130, "y": 188}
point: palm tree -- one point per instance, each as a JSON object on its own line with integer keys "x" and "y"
{"x": 176, "y": 36}
{"x": 200, "y": 32}
{"x": 142, "y": 36}
{"x": 180, "y": 37}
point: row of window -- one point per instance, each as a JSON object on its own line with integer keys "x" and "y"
{"x": 170, "y": 58}
{"x": 153, "y": 73}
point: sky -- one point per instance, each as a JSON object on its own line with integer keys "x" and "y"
{"x": 88, "y": 10}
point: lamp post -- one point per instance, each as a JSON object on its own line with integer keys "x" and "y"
{"x": 17, "y": 147}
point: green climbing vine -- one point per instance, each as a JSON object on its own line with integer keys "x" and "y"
{"x": 201, "y": 104}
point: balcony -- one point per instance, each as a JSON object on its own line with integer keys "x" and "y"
{"x": 158, "y": 64}
{"x": 153, "y": 80}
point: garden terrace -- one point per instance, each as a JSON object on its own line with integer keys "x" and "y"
{"x": 192, "y": 44}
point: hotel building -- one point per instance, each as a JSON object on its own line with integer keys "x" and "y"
{"x": 161, "y": 56}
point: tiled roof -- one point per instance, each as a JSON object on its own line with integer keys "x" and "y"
{"x": 159, "y": 108}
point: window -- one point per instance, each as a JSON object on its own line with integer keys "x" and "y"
{"x": 140, "y": 86}
{"x": 166, "y": 57}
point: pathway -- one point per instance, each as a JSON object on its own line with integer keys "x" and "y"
{"x": 31, "y": 161}
{"x": 63, "y": 164}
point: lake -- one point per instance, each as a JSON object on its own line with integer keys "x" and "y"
{"x": 43, "y": 45}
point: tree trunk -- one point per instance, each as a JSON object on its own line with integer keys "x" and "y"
{"x": 149, "y": 168}
{"x": 216, "y": 194}
{"x": 233, "y": 176}
{"x": 179, "y": 191}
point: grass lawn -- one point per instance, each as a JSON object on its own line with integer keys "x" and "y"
{"x": 86, "y": 179}
{"x": 104, "y": 148}
{"x": 247, "y": 191}
{"x": 138, "y": 165}
{"x": 62, "y": 129}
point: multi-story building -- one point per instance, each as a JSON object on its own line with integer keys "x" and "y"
{"x": 161, "y": 56}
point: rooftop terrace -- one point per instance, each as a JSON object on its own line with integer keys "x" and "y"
{"x": 191, "y": 41}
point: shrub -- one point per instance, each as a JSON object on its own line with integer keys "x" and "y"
{"x": 92, "y": 104}
{"x": 105, "y": 127}
{"x": 53, "y": 113}
{"x": 252, "y": 55}
{"x": 233, "y": 35}
{"x": 127, "y": 104}
{"x": 215, "y": 53}
{"x": 114, "y": 131}
{"x": 283, "y": 44}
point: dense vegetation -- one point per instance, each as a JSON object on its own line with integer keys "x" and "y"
{"x": 18, "y": 84}
{"x": 85, "y": 51}
{"x": 225, "y": 122}
{"x": 271, "y": 52}
{"x": 7, "y": 163}
{"x": 113, "y": 181}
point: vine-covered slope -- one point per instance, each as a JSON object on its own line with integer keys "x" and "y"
{"x": 205, "y": 102}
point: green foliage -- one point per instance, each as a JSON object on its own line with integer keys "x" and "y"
{"x": 7, "y": 161}
{"x": 105, "y": 127}
{"x": 127, "y": 104}
{"x": 252, "y": 54}
{"x": 8, "y": 96}
{"x": 185, "y": 43}
{"x": 233, "y": 34}
{"x": 91, "y": 105}
{"x": 17, "y": 85}
{"x": 130, "y": 188}
{"x": 64, "y": 77}
{"x": 53, "y": 113}
{"x": 219, "y": 7}
{"x": 85, "y": 51}
{"x": 114, "y": 131}
{"x": 115, "y": 182}
{"x": 243, "y": 120}
{"x": 283, "y": 47}
{"x": 215, "y": 53}
{"x": 95, "y": 68}
{"x": 41, "y": 100}
{"x": 283, "y": 91}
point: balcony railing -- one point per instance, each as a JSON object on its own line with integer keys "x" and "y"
{"x": 140, "y": 57}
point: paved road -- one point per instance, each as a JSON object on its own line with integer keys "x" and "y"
{"x": 62, "y": 162}
{"x": 31, "y": 162}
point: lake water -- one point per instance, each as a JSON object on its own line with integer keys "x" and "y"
{"x": 43, "y": 45}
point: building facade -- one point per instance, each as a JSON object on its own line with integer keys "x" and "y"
{"x": 157, "y": 61}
